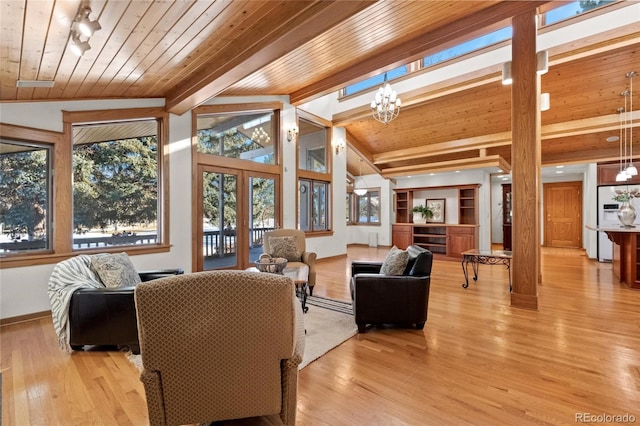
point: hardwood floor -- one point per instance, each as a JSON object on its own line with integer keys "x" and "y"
{"x": 478, "y": 361}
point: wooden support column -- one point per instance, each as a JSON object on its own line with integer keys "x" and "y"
{"x": 525, "y": 162}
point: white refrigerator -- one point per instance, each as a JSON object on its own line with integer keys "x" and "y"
{"x": 608, "y": 216}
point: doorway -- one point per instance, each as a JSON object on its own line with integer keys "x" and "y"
{"x": 234, "y": 209}
{"x": 563, "y": 214}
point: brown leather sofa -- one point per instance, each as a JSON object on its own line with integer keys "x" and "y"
{"x": 387, "y": 299}
{"x": 107, "y": 316}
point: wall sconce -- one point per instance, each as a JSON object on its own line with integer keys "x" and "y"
{"x": 340, "y": 145}
{"x": 292, "y": 133}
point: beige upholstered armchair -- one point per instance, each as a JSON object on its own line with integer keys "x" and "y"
{"x": 219, "y": 345}
{"x": 278, "y": 248}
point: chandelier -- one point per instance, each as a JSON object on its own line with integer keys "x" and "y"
{"x": 386, "y": 104}
{"x": 260, "y": 136}
{"x": 627, "y": 169}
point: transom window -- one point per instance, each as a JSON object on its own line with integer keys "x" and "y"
{"x": 248, "y": 135}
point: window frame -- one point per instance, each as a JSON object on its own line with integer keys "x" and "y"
{"x": 47, "y": 140}
{"x": 325, "y": 177}
{"x": 354, "y": 208}
{"x": 62, "y": 205}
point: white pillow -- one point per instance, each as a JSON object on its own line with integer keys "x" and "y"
{"x": 395, "y": 262}
{"x": 115, "y": 270}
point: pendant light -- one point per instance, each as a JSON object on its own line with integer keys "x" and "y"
{"x": 359, "y": 187}
{"x": 631, "y": 169}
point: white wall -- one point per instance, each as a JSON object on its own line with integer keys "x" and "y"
{"x": 360, "y": 234}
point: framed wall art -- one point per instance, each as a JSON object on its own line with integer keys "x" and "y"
{"x": 437, "y": 207}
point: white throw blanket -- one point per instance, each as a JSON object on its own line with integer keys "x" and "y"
{"x": 67, "y": 277}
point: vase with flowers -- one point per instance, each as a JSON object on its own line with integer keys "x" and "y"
{"x": 626, "y": 212}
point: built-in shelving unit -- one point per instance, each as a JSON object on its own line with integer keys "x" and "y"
{"x": 446, "y": 240}
{"x": 433, "y": 238}
{"x": 404, "y": 204}
{"x": 468, "y": 213}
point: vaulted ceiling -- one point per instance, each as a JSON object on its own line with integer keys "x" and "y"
{"x": 189, "y": 51}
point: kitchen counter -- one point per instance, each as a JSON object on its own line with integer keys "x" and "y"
{"x": 626, "y": 252}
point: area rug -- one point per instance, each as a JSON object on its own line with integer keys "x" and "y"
{"x": 328, "y": 323}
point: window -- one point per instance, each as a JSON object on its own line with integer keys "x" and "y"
{"x": 569, "y": 10}
{"x": 245, "y": 135}
{"x": 468, "y": 46}
{"x": 312, "y": 146}
{"x": 376, "y": 80}
{"x": 314, "y": 173}
{"x": 102, "y": 157}
{"x": 115, "y": 183}
{"x": 25, "y": 196}
{"x": 364, "y": 209}
{"x": 313, "y": 202}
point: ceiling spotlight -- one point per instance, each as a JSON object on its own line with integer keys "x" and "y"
{"x": 542, "y": 62}
{"x": 506, "y": 73}
{"x": 77, "y": 46}
{"x": 85, "y": 26}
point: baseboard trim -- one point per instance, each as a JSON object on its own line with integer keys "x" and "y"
{"x": 24, "y": 318}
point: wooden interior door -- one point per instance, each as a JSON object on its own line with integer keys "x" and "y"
{"x": 563, "y": 214}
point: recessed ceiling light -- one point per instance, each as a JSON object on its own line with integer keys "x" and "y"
{"x": 559, "y": 171}
{"x": 457, "y": 171}
{"x": 613, "y": 139}
{"x": 559, "y": 167}
{"x": 431, "y": 174}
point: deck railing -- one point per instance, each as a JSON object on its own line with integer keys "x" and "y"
{"x": 216, "y": 243}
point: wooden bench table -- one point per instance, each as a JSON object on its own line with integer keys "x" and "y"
{"x": 485, "y": 257}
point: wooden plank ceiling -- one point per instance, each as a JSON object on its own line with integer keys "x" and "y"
{"x": 189, "y": 51}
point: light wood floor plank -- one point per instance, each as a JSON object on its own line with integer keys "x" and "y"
{"x": 477, "y": 361}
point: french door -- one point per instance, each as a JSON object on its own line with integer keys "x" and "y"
{"x": 234, "y": 209}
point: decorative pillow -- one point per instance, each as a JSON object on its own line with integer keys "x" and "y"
{"x": 115, "y": 270}
{"x": 395, "y": 262}
{"x": 284, "y": 247}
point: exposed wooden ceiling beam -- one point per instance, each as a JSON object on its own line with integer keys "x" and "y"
{"x": 252, "y": 52}
{"x": 422, "y": 45}
{"x": 362, "y": 152}
{"x": 447, "y": 166}
{"x": 550, "y": 131}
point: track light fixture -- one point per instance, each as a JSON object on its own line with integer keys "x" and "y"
{"x": 77, "y": 46}
{"x": 82, "y": 26}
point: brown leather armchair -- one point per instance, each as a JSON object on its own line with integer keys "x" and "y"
{"x": 308, "y": 258}
{"x": 220, "y": 345}
{"x": 392, "y": 299}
